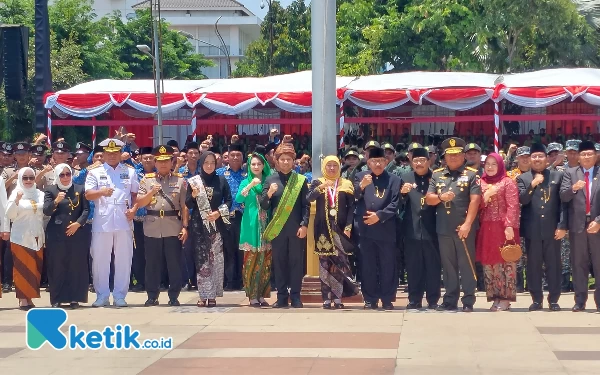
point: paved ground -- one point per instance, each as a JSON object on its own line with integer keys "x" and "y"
{"x": 234, "y": 339}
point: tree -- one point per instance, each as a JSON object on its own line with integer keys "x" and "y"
{"x": 179, "y": 59}
{"x": 532, "y": 34}
{"x": 291, "y": 43}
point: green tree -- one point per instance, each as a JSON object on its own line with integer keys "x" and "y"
{"x": 178, "y": 57}
{"x": 291, "y": 43}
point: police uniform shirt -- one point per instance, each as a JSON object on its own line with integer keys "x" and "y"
{"x": 463, "y": 182}
{"x": 383, "y": 197}
{"x": 162, "y": 216}
{"x": 7, "y": 173}
{"x": 419, "y": 218}
{"x": 234, "y": 179}
{"x": 109, "y": 212}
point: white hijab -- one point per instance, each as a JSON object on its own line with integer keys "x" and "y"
{"x": 57, "y": 171}
{"x": 31, "y": 193}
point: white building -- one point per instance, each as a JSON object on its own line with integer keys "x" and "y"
{"x": 238, "y": 26}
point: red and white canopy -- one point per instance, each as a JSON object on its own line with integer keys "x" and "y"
{"x": 292, "y": 92}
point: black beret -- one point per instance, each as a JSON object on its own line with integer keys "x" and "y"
{"x": 145, "y": 150}
{"x": 98, "y": 149}
{"x": 236, "y": 147}
{"x": 376, "y": 152}
{"x": 587, "y": 146}
{"x": 537, "y": 147}
{"x": 420, "y": 152}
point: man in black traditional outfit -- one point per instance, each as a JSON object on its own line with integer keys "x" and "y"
{"x": 285, "y": 194}
{"x": 423, "y": 262}
{"x": 378, "y": 194}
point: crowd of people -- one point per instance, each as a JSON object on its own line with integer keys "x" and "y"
{"x": 116, "y": 218}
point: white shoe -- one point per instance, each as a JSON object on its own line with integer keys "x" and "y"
{"x": 101, "y": 302}
{"x": 120, "y": 302}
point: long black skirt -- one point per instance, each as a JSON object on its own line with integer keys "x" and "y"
{"x": 68, "y": 273}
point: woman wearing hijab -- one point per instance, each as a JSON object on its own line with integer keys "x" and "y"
{"x": 499, "y": 218}
{"x": 333, "y": 224}
{"x": 257, "y": 258}
{"x": 24, "y": 209}
{"x": 66, "y": 241}
{"x": 207, "y": 194}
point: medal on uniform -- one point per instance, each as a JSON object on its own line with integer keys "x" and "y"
{"x": 332, "y": 194}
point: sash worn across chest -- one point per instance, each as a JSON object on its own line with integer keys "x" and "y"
{"x": 286, "y": 204}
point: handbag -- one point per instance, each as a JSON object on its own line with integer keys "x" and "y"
{"x": 511, "y": 252}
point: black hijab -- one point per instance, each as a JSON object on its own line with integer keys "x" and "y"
{"x": 207, "y": 177}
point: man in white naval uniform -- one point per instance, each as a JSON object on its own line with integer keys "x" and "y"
{"x": 113, "y": 187}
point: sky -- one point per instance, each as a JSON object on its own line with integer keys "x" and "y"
{"x": 254, "y": 6}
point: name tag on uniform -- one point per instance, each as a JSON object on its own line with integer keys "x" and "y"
{"x": 463, "y": 179}
{"x": 124, "y": 176}
{"x": 103, "y": 178}
{"x": 172, "y": 184}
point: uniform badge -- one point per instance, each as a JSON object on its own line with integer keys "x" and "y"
{"x": 172, "y": 184}
{"x": 124, "y": 176}
{"x": 226, "y": 173}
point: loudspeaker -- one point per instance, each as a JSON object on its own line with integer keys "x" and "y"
{"x": 16, "y": 43}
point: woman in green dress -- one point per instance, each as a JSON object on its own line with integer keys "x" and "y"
{"x": 257, "y": 258}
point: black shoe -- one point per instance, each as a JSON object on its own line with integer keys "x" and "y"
{"x": 280, "y": 305}
{"x": 56, "y": 305}
{"x": 173, "y": 302}
{"x": 6, "y": 288}
{"x": 432, "y": 306}
{"x": 536, "y": 306}
{"x": 91, "y": 289}
{"x": 229, "y": 288}
{"x": 413, "y": 306}
{"x": 327, "y": 306}
{"x": 467, "y": 308}
{"x": 554, "y": 307}
{"x": 579, "y": 307}
{"x": 264, "y": 304}
{"x": 138, "y": 288}
{"x": 520, "y": 289}
{"x": 151, "y": 302}
{"x": 297, "y": 304}
{"x": 338, "y": 306}
{"x": 447, "y": 307}
{"x": 74, "y": 305}
{"x": 370, "y": 305}
{"x": 598, "y": 309}
{"x": 388, "y": 306}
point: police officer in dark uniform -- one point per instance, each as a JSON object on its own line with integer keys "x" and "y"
{"x": 378, "y": 196}
{"x": 456, "y": 192}
{"x": 543, "y": 225}
{"x": 165, "y": 228}
{"x": 422, "y": 252}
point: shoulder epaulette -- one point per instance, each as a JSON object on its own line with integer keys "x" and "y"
{"x": 472, "y": 169}
{"x": 438, "y": 170}
{"x": 150, "y": 175}
{"x": 130, "y": 166}
{"x": 93, "y": 166}
{"x": 177, "y": 174}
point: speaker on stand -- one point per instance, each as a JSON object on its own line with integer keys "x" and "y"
{"x": 14, "y": 56}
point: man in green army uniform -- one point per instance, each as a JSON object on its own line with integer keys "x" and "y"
{"x": 456, "y": 192}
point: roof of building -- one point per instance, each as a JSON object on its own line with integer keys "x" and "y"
{"x": 192, "y": 4}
